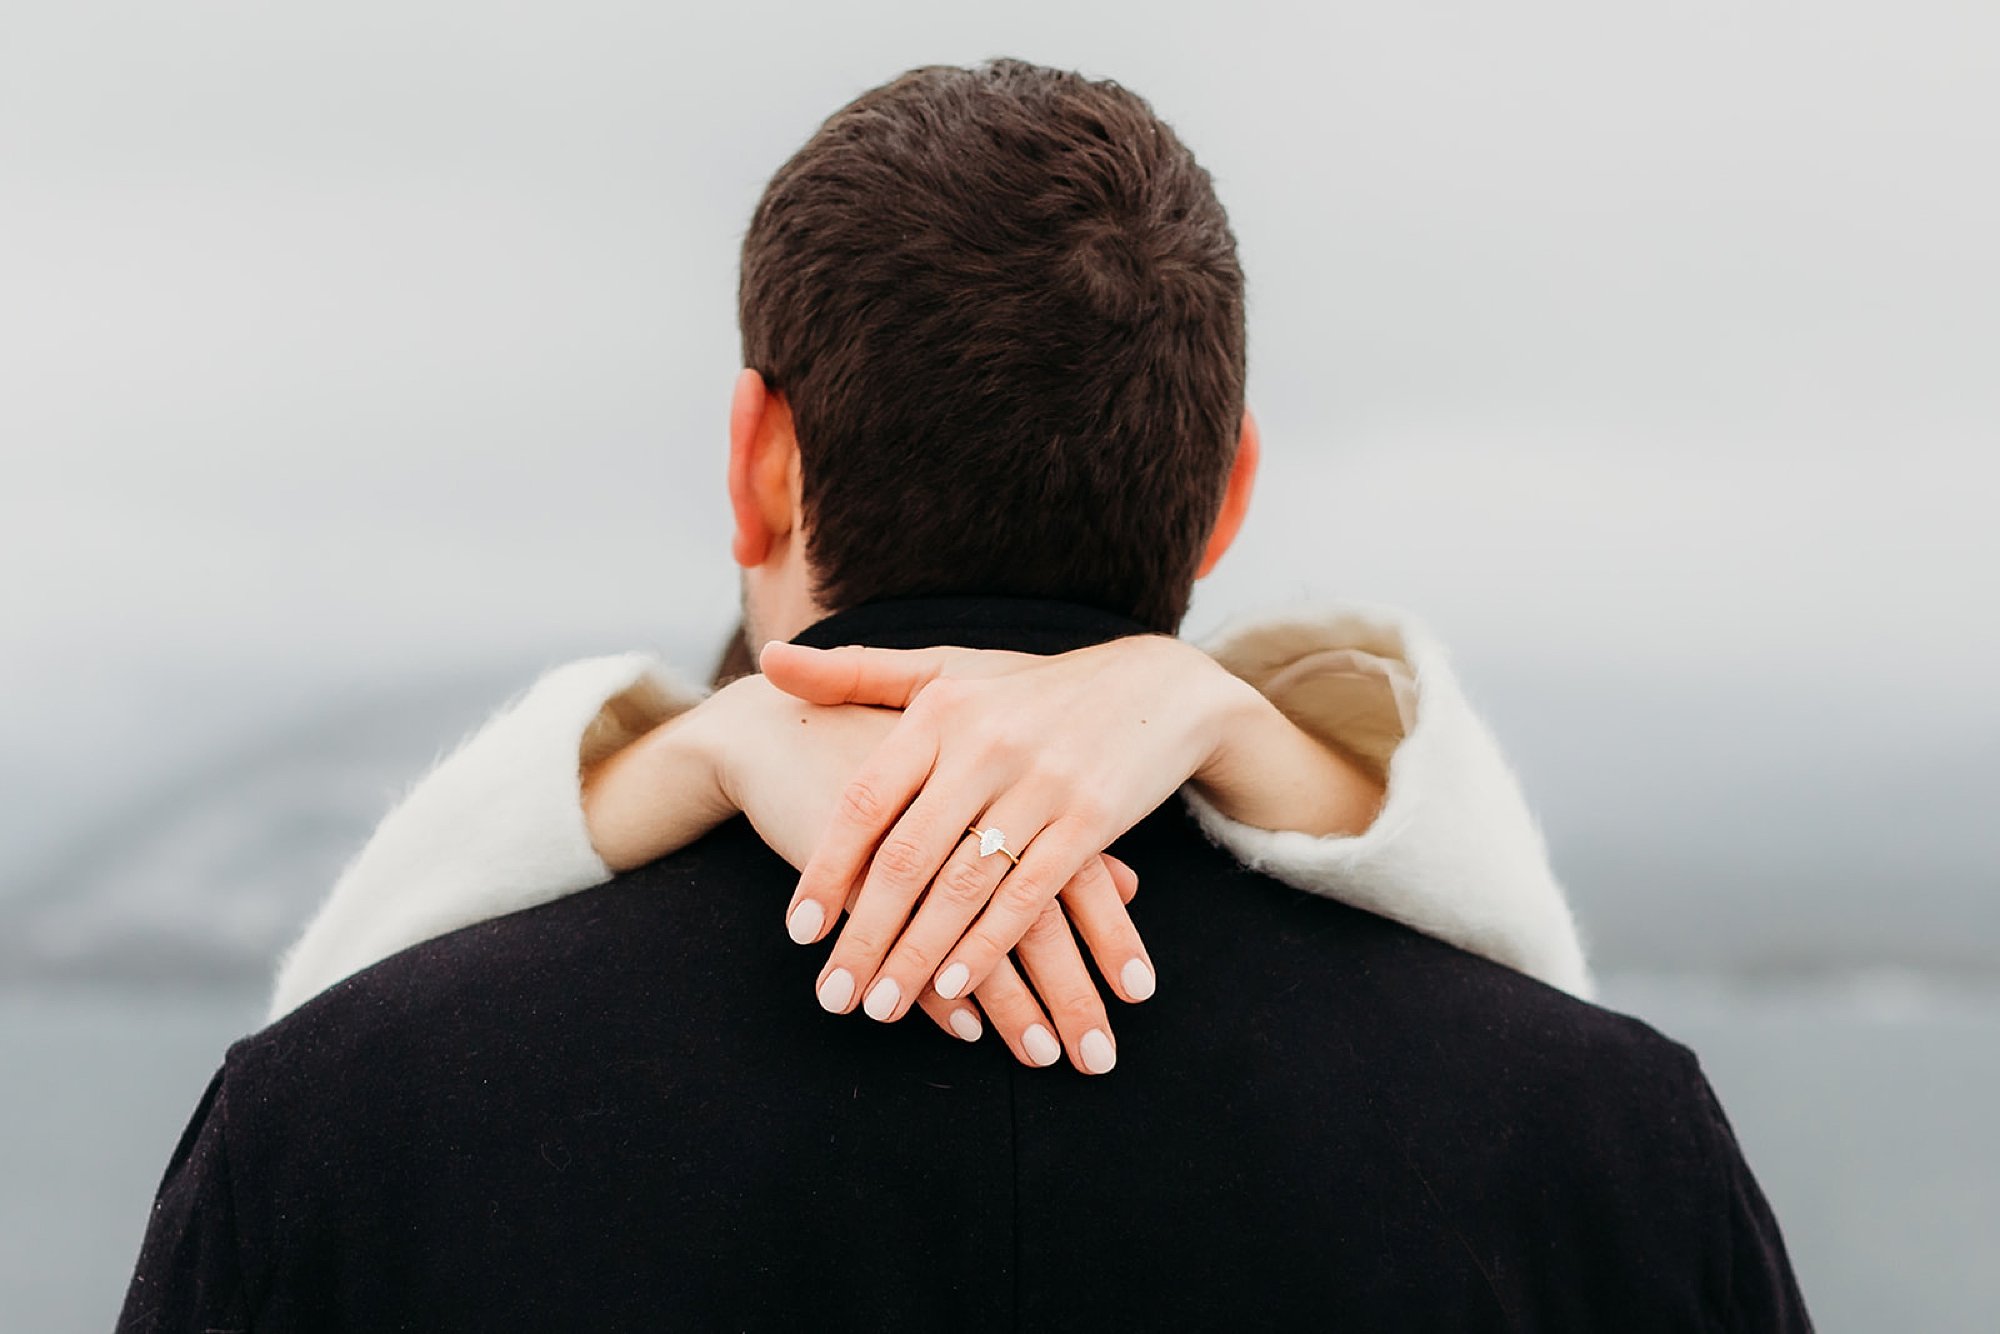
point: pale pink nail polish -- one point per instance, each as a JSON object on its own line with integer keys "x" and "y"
{"x": 882, "y": 998}
{"x": 836, "y": 991}
{"x": 805, "y": 922}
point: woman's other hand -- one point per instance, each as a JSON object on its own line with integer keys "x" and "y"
{"x": 1049, "y": 953}
{"x": 785, "y": 765}
{"x": 1059, "y": 754}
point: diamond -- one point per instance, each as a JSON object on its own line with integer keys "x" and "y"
{"x": 991, "y": 841}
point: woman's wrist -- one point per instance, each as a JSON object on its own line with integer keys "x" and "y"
{"x": 1265, "y": 770}
{"x": 657, "y": 794}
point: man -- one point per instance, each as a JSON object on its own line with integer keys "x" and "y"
{"x": 997, "y": 321}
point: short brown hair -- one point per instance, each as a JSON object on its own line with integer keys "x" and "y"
{"x": 1005, "y": 308}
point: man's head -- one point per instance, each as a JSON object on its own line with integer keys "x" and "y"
{"x": 993, "y": 330}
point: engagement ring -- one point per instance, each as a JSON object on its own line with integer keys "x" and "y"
{"x": 992, "y": 841}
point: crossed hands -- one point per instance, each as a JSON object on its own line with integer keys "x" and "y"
{"x": 871, "y": 769}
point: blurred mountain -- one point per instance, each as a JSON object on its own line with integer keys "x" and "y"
{"x": 1772, "y": 869}
{"x": 207, "y": 877}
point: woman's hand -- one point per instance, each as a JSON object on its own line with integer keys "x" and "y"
{"x": 785, "y": 764}
{"x": 1060, "y": 754}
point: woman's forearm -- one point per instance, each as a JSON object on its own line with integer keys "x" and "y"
{"x": 1263, "y": 770}
{"x": 493, "y": 828}
{"x": 654, "y": 796}
{"x": 1268, "y": 772}
{"x": 1455, "y": 851}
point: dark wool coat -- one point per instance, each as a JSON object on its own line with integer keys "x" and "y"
{"x": 623, "y": 1110}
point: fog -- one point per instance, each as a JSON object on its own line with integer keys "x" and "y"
{"x": 362, "y": 360}
{"x": 1649, "y": 359}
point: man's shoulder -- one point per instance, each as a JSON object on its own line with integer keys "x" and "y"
{"x": 1432, "y": 1029}
{"x": 1474, "y": 1004}
{"x": 376, "y": 1026}
{"x": 1468, "y": 1050}
{"x": 573, "y": 964}
{"x": 1349, "y": 976}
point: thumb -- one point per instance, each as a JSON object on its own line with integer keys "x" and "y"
{"x": 890, "y": 678}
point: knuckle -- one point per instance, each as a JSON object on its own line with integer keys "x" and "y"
{"x": 900, "y": 859}
{"x": 1047, "y": 928}
{"x": 983, "y": 958}
{"x": 912, "y": 960}
{"x": 1026, "y": 895}
{"x": 1076, "y": 1001}
{"x": 963, "y": 882}
{"x": 861, "y": 803}
{"x": 859, "y": 945}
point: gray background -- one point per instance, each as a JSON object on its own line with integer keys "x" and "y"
{"x": 359, "y": 361}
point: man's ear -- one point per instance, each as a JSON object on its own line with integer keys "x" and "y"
{"x": 1236, "y": 499}
{"x": 763, "y": 469}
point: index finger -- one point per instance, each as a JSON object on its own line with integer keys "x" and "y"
{"x": 872, "y": 802}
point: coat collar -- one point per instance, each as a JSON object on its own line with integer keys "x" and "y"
{"x": 1029, "y": 625}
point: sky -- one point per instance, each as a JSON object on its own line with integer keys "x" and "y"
{"x": 379, "y": 352}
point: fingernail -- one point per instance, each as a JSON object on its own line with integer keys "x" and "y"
{"x": 1098, "y": 1053}
{"x": 966, "y": 1024}
{"x": 806, "y": 920}
{"x": 1138, "y": 979}
{"x": 951, "y": 982}
{"x": 836, "y": 991}
{"x": 882, "y": 998}
{"x": 1041, "y": 1045}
